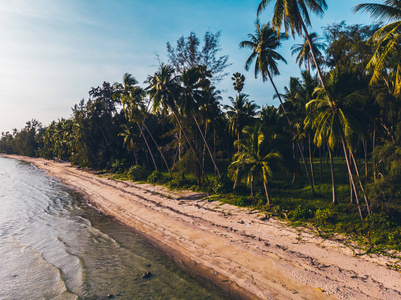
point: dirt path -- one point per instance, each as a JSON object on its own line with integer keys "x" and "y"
{"x": 236, "y": 249}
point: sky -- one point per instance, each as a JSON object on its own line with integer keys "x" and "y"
{"x": 52, "y": 52}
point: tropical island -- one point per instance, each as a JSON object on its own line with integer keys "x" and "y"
{"x": 325, "y": 161}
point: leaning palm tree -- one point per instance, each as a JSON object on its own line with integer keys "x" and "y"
{"x": 333, "y": 115}
{"x": 131, "y": 97}
{"x": 294, "y": 15}
{"x": 263, "y": 44}
{"x": 386, "y": 61}
{"x": 256, "y": 159}
{"x": 305, "y": 54}
{"x": 192, "y": 97}
{"x": 164, "y": 90}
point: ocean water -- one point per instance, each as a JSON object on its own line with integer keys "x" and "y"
{"x": 53, "y": 245}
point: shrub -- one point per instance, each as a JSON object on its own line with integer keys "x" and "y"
{"x": 155, "y": 177}
{"x": 221, "y": 185}
{"x": 302, "y": 213}
{"x": 136, "y": 172}
{"x": 323, "y": 216}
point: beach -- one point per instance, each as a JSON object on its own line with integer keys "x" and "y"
{"x": 243, "y": 252}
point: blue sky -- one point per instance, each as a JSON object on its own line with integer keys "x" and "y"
{"x": 53, "y": 51}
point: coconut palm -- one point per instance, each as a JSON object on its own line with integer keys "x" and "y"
{"x": 192, "y": 97}
{"x": 263, "y": 45}
{"x": 239, "y": 113}
{"x": 294, "y": 16}
{"x": 305, "y": 54}
{"x": 386, "y": 61}
{"x": 255, "y": 160}
{"x": 333, "y": 115}
{"x": 164, "y": 90}
{"x": 131, "y": 97}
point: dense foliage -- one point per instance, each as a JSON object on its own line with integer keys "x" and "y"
{"x": 329, "y": 153}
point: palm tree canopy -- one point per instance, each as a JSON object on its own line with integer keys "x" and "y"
{"x": 304, "y": 51}
{"x": 293, "y": 13}
{"x": 386, "y": 61}
{"x": 336, "y": 111}
{"x": 263, "y": 44}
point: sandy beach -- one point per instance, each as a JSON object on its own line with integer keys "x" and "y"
{"x": 241, "y": 251}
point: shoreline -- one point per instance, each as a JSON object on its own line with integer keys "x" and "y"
{"x": 233, "y": 248}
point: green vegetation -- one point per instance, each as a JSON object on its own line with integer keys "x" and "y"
{"x": 328, "y": 157}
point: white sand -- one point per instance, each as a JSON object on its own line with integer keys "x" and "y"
{"x": 232, "y": 247}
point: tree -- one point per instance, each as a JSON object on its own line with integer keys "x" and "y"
{"x": 187, "y": 54}
{"x": 305, "y": 54}
{"x": 294, "y": 15}
{"x": 240, "y": 113}
{"x": 334, "y": 114}
{"x": 386, "y": 61}
{"x": 263, "y": 45}
{"x": 256, "y": 159}
{"x": 239, "y": 81}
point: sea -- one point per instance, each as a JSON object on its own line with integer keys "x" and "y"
{"x": 54, "y": 245}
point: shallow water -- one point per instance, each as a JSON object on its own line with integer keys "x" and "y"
{"x": 54, "y": 246}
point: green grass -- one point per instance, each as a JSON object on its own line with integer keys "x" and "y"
{"x": 295, "y": 203}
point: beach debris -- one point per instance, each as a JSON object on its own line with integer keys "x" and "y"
{"x": 266, "y": 217}
{"x": 110, "y": 296}
{"x": 147, "y": 274}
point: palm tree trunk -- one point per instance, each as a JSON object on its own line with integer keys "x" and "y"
{"x": 158, "y": 148}
{"x": 294, "y": 177}
{"x": 365, "y": 149}
{"x": 350, "y": 175}
{"x": 333, "y": 182}
{"x": 190, "y": 146}
{"x": 373, "y": 153}
{"x": 289, "y": 122}
{"x": 266, "y": 192}
{"x": 321, "y": 164}
{"x": 319, "y": 72}
{"x": 147, "y": 145}
{"x": 310, "y": 160}
{"x": 207, "y": 146}
{"x": 360, "y": 183}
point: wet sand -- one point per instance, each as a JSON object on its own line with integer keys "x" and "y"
{"x": 241, "y": 251}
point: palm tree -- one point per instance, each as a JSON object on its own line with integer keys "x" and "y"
{"x": 294, "y": 15}
{"x": 240, "y": 113}
{"x": 131, "y": 97}
{"x": 386, "y": 58}
{"x": 192, "y": 97}
{"x": 256, "y": 159}
{"x": 305, "y": 54}
{"x": 333, "y": 116}
{"x": 239, "y": 81}
{"x": 164, "y": 89}
{"x": 263, "y": 45}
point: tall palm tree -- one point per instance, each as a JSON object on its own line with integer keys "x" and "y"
{"x": 255, "y": 159}
{"x": 294, "y": 16}
{"x": 164, "y": 90}
{"x": 131, "y": 97}
{"x": 192, "y": 97}
{"x": 305, "y": 54}
{"x": 386, "y": 61}
{"x": 334, "y": 117}
{"x": 240, "y": 112}
{"x": 263, "y": 45}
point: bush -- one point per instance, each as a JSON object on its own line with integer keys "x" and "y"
{"x": 302, "y": 213}
{"x": 118, "y": 166}
{"x": 323, "y": 216}
{"x": 156, "y": 176}
{"x": 221, "y": 185}
{"x": 136, "y": 172}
